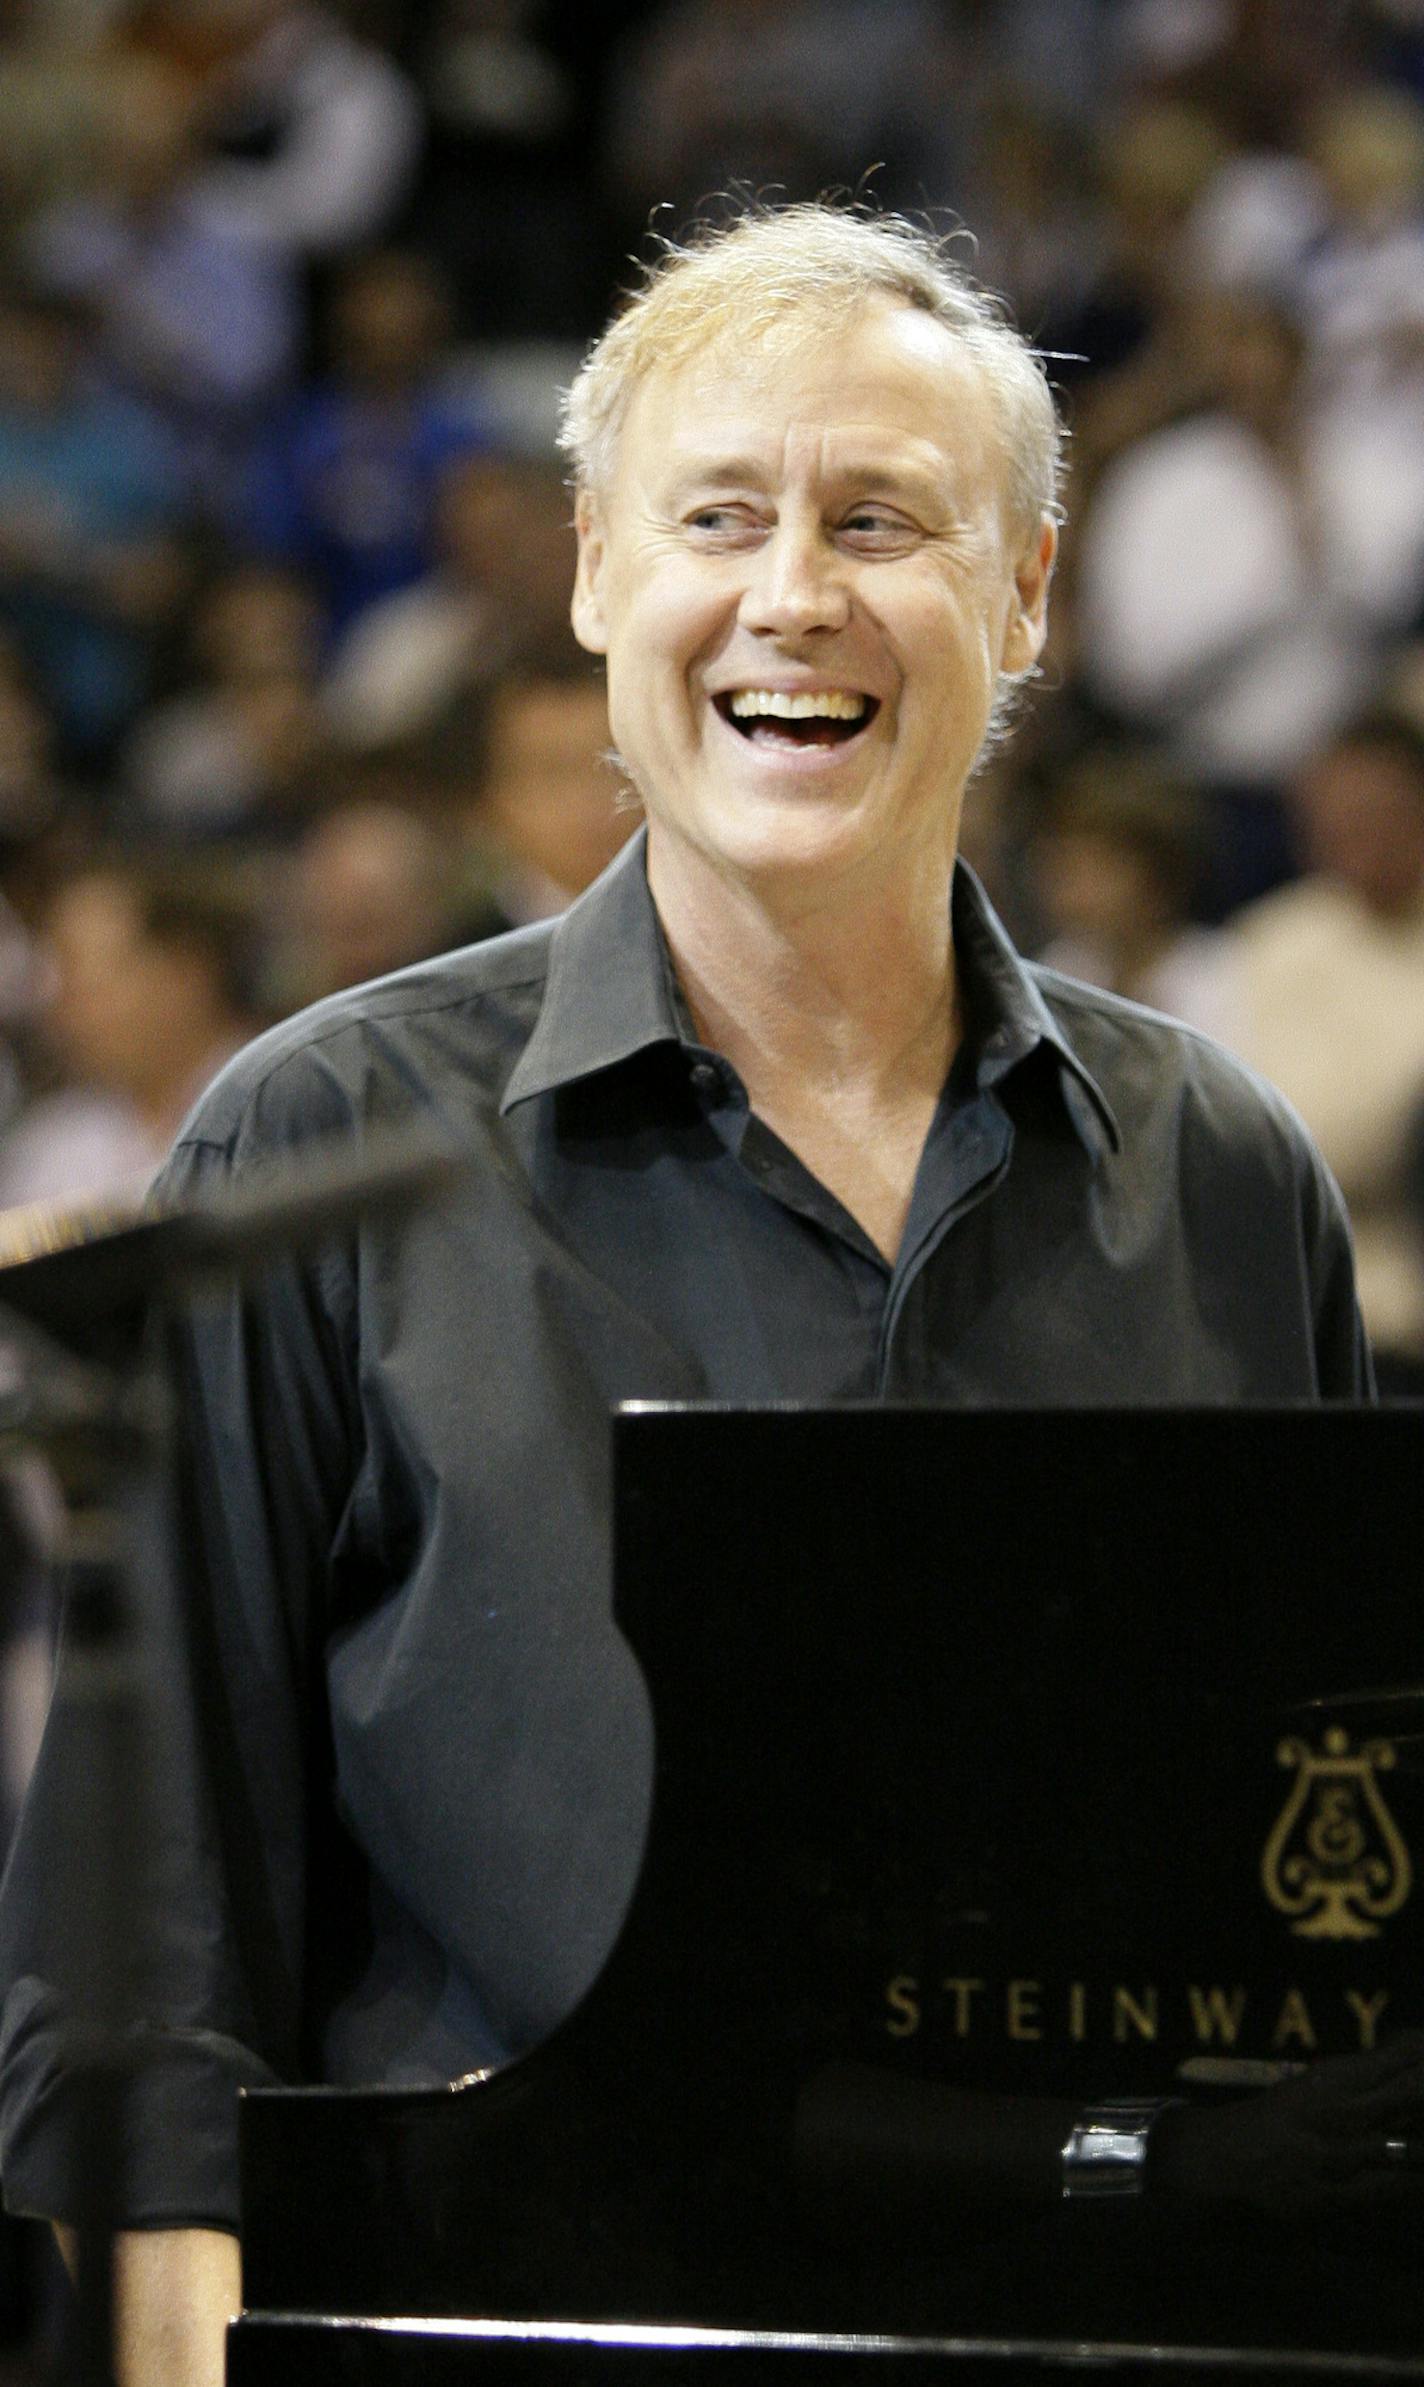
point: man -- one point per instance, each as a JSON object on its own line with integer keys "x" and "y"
{"x": 1329, "y": 984}
{"x": 91, "y": 569}
{"x": 547, "y": 811}
{"x": 759, "y": 1117}
{"x": 346, "y": 485}
{"x": 150, "y": 993}
{"x": 373, "y": 888}
{"x": 1115, "y": 867}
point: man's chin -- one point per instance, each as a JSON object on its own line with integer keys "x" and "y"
{"x": 766, "y": 836}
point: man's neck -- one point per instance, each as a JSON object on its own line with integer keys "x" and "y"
{"x": 837, "y": 1009}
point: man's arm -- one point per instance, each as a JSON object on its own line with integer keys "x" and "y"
{"x": 235, "y": 1782}
{"x": 176, "y": 2291}
{"x": 1344, "y": 1368}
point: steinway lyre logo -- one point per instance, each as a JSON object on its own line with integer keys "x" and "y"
{"x": 1335, "y": 1861}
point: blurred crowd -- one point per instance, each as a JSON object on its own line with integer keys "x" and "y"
{"x": 287, "y": 692}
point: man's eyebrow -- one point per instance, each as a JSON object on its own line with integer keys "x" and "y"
{"x": 890, "y": 480}
{"x": 701, "y": 472}
{"x": 871, "y": 476}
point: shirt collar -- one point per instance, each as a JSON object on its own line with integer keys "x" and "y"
{"x": 610, "y": 993}
{"x": 1011, "y": 1016}
{"x": 609, "y": 990}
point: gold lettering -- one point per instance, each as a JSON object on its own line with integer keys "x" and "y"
{"x": 1295, "y": 2022}
{"x": 962, "y": 1990}
{"x": 1216, "y": 2014}
{"x": 1023, "y": 2010}
{"x": 1077, "y": 2013}
{"x": 1127, "y": 2010}
{"x": 1367, "y": 2011}
{"x": 902, "y": 1996}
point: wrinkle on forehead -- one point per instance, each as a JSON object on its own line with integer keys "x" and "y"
{"x": 914, "y": 400}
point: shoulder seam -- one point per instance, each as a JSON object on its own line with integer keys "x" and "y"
{"x": 315, "y": 1042}
{"x": 1098, "y": 1002}
{"x": 1075, "y": 994}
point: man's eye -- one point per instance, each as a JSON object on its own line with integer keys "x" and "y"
{"x": 722, "y": 521}
{"x": 868, "y": 526}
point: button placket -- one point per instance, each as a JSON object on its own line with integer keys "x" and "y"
{"x": 980, "y": 1162}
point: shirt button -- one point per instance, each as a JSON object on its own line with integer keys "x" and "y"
{"x": 706, "y": 1077}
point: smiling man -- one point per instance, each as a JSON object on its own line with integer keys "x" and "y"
{"x": 773, "y": 1112}
{"x": 811, "y": 570}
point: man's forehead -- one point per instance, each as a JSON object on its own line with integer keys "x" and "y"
{"x": 892, "y": 386}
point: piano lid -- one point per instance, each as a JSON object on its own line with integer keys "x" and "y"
{"x": 1058, "y": 1755}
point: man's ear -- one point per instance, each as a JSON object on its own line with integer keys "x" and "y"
{"x": 586, "y": 612}
{"x": 1028, "y": 614}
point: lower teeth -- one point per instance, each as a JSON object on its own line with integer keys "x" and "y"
{"x": 801, "y": 733}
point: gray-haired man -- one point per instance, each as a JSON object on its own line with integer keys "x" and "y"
{"x": 774, "y": 1112}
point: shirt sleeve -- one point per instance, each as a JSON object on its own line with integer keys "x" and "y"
{"x": 242, "y": 1848}
{"x": 1344, "y": 1368}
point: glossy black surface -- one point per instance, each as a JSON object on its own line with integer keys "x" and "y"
{"x": 990, "y": 1697}
{"x": 322, "y": 2351}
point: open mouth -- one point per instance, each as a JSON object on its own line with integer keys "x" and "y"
{"x": 772, "y": 717}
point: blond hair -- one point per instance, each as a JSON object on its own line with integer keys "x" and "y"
{"x": 779, "y": 274}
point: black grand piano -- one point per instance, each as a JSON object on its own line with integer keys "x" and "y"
{"x": 1074, "y": 1755}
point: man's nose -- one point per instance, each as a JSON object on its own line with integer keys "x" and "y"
{"x": 797, "y": 585}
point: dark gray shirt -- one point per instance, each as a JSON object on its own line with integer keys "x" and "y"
{"x": 405, "y": 1751}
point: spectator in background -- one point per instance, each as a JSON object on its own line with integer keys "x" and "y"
{"x": 1215, "y": 604}
{"x": 1263, "y": 66}
{"x": 799, "y": 94}
{"x": 1038, "y": 230}
{"x": 313, "y": 135}
{"x": 1147, "y": 167}
{"x": 90, "y": 560}
{"x": 374, "y": 889}
{"x": 497, "y": 590}
{"x": 53, "y": 76}
{"x": 1362, "y": 298}
{"x": 504, "y": 200}
{"x": 151, "y": 994}
{"x": 1362, "y": 277}
{"x": 548, "y": 810}
{"x": 347, "y": 487}
{"x": 33, "y": 796}
{"x": 1330, "y": 977}
{"x": 1117, "y": 868}
{"x": 1334, "y": 239}
{"x": 1403, "y": 689}
{"x": 240, "y": 751}
{"x": 193, "y": 314}
{"x": 977, "y": 71}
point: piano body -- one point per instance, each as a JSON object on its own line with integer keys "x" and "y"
{"x": 990, "y": 1749}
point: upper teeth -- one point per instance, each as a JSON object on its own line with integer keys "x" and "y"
{"x": 834, "y": 704}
